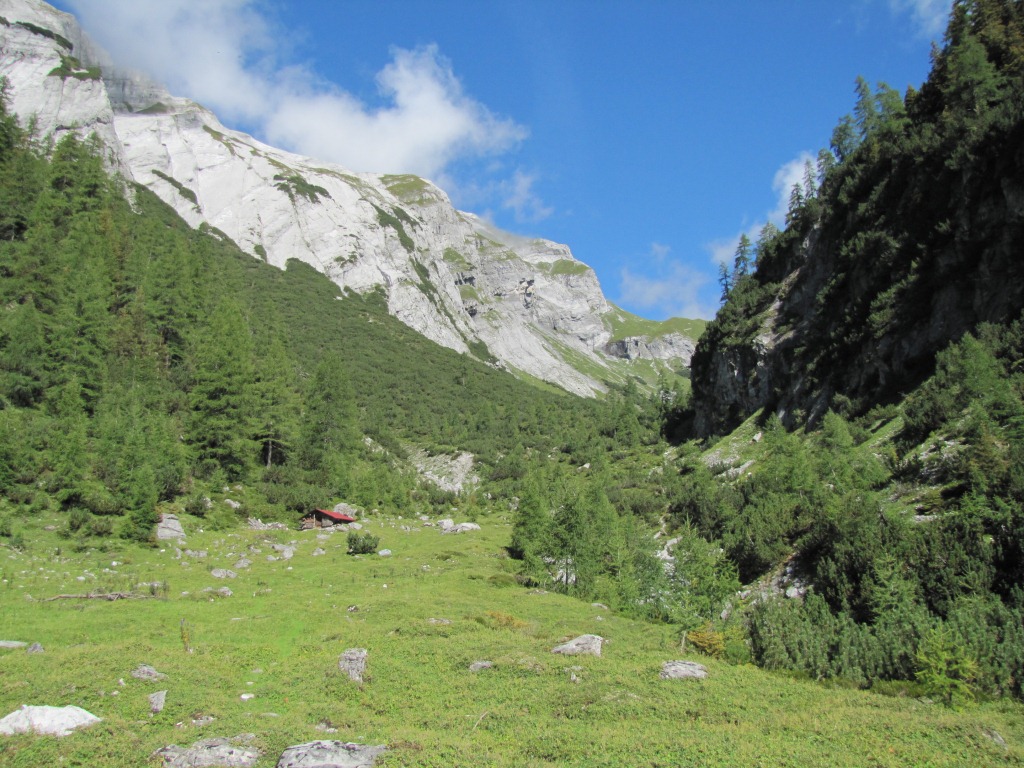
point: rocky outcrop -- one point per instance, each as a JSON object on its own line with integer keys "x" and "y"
{"x": 672, "y": 346}
{"x": 520, "y": 303}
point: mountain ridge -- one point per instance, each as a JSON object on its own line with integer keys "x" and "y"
{"x": 525, "y": 304}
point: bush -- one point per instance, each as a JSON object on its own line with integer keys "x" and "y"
{"x": 362, "y": 543}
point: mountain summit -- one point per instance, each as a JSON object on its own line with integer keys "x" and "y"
{"x": 526, "y": 305}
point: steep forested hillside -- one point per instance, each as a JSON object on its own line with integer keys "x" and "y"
{"x": 906, "y": 236}
{"x": 872, "y": 352}
{"x": 145, "y": 366}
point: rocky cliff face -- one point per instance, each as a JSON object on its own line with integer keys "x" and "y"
{"x": 524, "y": 304}
{"x": 913, "y": 241}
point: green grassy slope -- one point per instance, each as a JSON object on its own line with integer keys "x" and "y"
{"x": 279, "y": 637}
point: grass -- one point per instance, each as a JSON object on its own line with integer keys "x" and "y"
{"x": 569, "y": 267}
{"x": 184, "y": 191}
{"x": 623, "y": 325}
{"x": 279, "y": 637}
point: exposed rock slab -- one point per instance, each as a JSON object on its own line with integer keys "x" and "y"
{"x": 683, "y": 670}
{"x": 330, "y": 754}
{"x": 210, "y": 753}
{"x": 588, "y": 645}
{"x": 53, "y": 721}
{"x": 12, "y": 644}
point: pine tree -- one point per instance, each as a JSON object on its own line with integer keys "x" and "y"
{"x": 222, "y": 399}
{"x": 329, "y": 432}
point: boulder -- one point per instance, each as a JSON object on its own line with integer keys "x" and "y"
{"x": 582, "y": 645}
{"x": 208, "y": 753}
{"x": 683, "y": 670}
{"x": 53, "y": 721}
{"x": 449, "y": 526}
{"x": 169, "y": 528}
{"x": 353, "y": 663}
{"x": 330, "y": 754}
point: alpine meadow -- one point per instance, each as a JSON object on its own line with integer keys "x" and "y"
{"x": 305, "y": 467}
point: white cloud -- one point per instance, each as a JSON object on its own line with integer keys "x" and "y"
{"x": 519, "y": 197}
{"x": 221, "y": 53}
{"x": 671, "y": 289}
{"x": 791, "y": 174}
{"x": 930, "y": 16}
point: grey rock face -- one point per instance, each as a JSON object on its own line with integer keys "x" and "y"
{"x": 53, "y": 721}
{"x": 330, "y": 754}
{"x": 671, "y": 346}
{"x": 210, "y": 753}
{"x": 584, "y": 644}
{"x": 683, "y": 670}
{"x": 353, "y": 663}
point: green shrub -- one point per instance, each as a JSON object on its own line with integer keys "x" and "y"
{"x": 946, "y": 669}
{"x": 362, "y": 543}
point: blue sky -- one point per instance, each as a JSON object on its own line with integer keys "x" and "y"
{"x": 646, "y": 135}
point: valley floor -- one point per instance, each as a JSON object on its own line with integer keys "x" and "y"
{"x": 436, "y": 605}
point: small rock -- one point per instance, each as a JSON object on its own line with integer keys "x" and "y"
{"x": 682, "y": 670}
{"x": 326, "y": 726}
{"x": 247, "y": 696}
{"x": 35, "y": 648}
{"x": 12, "y": 644}
{"x": 223, "y": 573}
{"x": 202, "y": 720}
{"x": 352, "y": 608}
{"x": 444, "y": 622}
{"x": 330, "y": 754}
{"x": 385, "y": 553}
{"x": 146, "y": 672}
{"x": 232, "y": 503}
{"x": 584, "y": 644}
{"x": 476, "y": 666}
{"x": 353, "y": 663}
{"x": 602, "y": 606}
{"x": 199, "y": 554}
{"x": 243, "y": 563}
{"x": 156, "y": 702}
{"x": 317, "y": 552}
{"x": 53, "y": 721}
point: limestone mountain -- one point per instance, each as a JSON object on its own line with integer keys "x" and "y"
{"x": 526, "y": 305}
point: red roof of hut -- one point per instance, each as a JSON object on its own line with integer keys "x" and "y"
{"x": 337, "y": 517}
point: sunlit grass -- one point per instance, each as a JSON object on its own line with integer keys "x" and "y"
{"x": 280, "y": 634}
